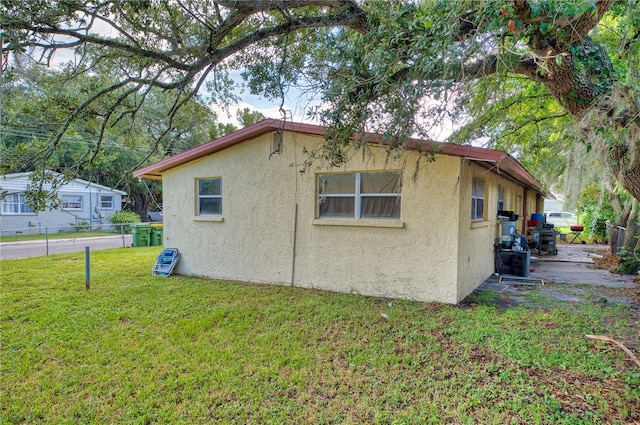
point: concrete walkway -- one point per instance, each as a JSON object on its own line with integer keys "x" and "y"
{"x": 562, "y": 276}
{"x": 574, "y": 264}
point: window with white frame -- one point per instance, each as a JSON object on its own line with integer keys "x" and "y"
{"x": 209, "y": 196}
{"x": 72, "y": 202}
{"x": 15, "y": 203}
{"x": 500, "y": 197}
{"x": 106, "y": 202}
{"x": 360, "y": 195}
{"x": 477, "y": 199}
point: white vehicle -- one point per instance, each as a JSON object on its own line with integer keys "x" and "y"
{"x": 562, "y": 218}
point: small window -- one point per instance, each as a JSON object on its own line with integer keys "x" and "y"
{"x": 106, "y": 202}
{"x": 500, "y": 198}
{"x": 72, "y": 202}
{"x": 15, "y": 203}
{"x": 359, "y": 195}
{"x": 477, "y": 199}
{"x": 210, "y": 196}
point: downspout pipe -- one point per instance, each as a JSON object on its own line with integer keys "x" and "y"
{"x": 524, "y": 211}
{"x": 293, "y": 253}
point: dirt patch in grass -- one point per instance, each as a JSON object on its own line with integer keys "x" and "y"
{"x": 606, "y": 261}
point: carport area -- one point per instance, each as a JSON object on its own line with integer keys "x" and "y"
{"x": 568, "y": 276}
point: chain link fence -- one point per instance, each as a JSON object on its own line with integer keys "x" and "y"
{"x": 616, "y": 236}
{"x": 39, "y": 241}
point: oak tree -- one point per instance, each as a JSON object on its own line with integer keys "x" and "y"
{"x": 394, "y": 67}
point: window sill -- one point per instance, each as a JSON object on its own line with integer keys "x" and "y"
{"x": 479, "y": 224}
{"x": 210, "y": 218}
{"x": 357, "y": 223}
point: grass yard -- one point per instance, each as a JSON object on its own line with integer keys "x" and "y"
{"x": 138, "y": 349}
{"x": 62, "y": 235}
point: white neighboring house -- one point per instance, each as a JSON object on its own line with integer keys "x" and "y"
{"x": 82, "y": 201}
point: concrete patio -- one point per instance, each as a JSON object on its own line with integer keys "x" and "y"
{"x": 563, "y": 275}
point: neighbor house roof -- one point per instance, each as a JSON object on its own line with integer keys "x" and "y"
{"x": 18, "y": 182}
{"x": 498, "y": 161}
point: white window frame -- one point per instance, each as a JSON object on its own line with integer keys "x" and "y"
{"x": 475, "y": 197}
{"x": 15, "y": 204}
{"x": 106, "y": 205}
{"x": 199, "y": 196}
{"x": 77, "y": 199}
{"x": 357, "y": 195}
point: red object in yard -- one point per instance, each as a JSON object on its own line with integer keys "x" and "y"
{"x": 533, "y": 223}
{"x": 576, "y": 230}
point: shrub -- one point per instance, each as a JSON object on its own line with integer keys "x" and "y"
{"x": 124, "y": 218}
{"x": 595, "y": 209}
{"x": 629, "y": 262}
{"x": 81, "y": 226}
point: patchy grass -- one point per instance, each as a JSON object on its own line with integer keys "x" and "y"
{"x": 143, "y": 349}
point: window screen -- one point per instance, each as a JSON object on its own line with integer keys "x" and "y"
{"x": 477, "y": 199}
{"x": 210, "y": 196}
{"x": 359, "y": 195}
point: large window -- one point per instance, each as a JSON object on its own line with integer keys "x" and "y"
{"x": 106, "y": 202}
{"x": 477, "y": 199}
{"x": 210, "y": 196}
{"x": 15, "y": 203}
{"x": 359, "y": 195}
{"x": 72, "y": 202}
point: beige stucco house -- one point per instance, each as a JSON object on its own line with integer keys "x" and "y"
{"x": 240, "y": 207}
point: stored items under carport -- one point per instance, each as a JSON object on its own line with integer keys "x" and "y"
{"x": 543, "y": 234}
{"x": 513, "y": 262}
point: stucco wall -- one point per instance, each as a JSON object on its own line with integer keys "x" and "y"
{"x": 475, "y": 255}
{"x": 477, "y": 238}
{"x": 414, "y": 258}
{"x": 415, "y": 261}
{"x": 252, "y": 241}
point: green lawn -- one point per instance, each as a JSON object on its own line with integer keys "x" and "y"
{"x": 59, "y": 235}
{"x": 138, "y": 349}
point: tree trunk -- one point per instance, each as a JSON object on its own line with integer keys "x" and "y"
{"x": 633, "y": 227}
{"x": 625, "y": 160}
{"x": 141, "y": 205}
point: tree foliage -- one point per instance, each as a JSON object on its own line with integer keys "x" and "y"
{"x": 394, "y": 67}
{"x": 94, "y": 147}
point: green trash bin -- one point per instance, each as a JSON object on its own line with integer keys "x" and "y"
{"x": 156, "y": 235}
{"x": 141, "y": 233}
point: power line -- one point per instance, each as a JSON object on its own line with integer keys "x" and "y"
{"x": 82, "y": 141}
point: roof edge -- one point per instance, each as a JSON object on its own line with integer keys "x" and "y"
{"x": 12, "y": 176}
{"x": 502, "y": 160}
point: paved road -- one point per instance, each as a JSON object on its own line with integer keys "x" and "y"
{"x": 11, "y": 250}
